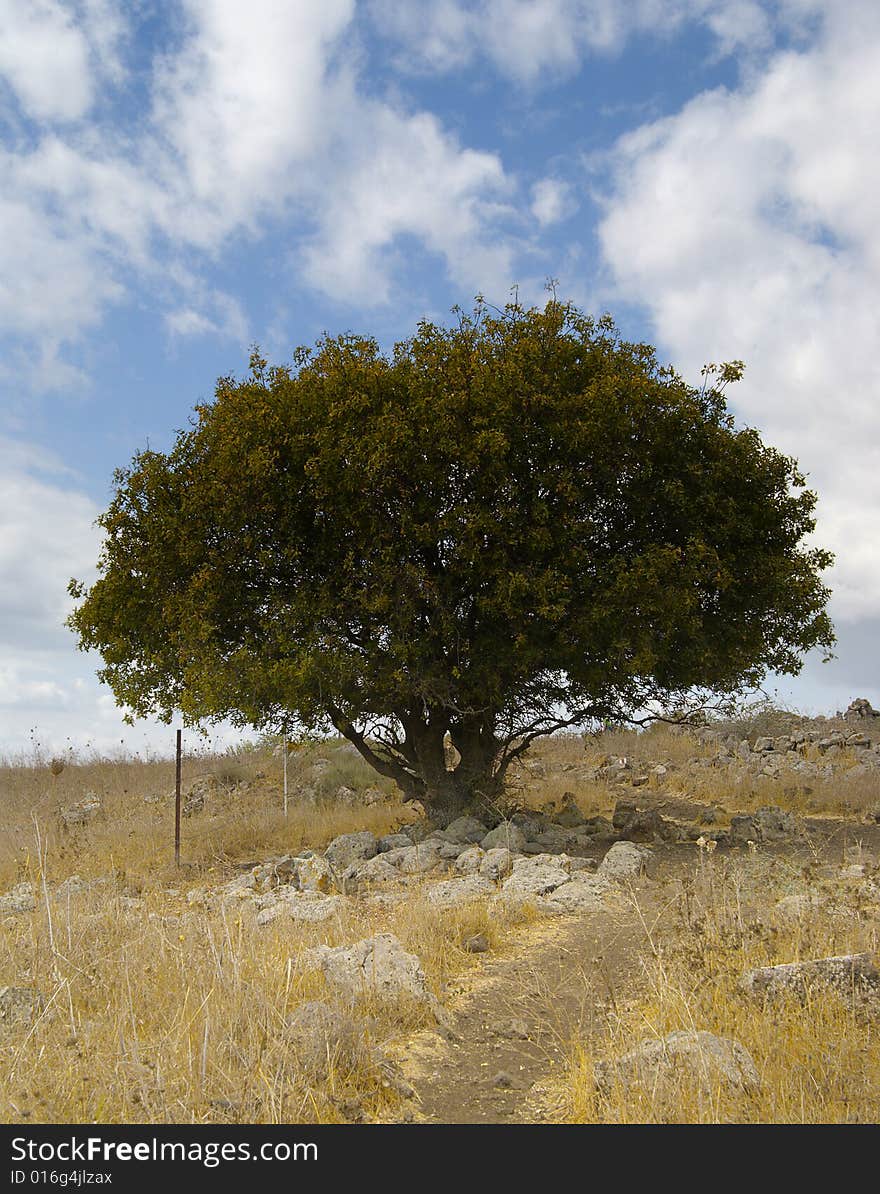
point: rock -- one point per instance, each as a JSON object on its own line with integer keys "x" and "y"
{"x": 351, "y": 847}
{"x": 860, "y": 710}
{"x": 372, "y": 872}
{"x": 794, "y": 908}
{"x": 639, "y": 781}
{"x": 466, "y": 830}
{"x": 594, "y": 825}
{"x": 762, "y": 745}
{"x": 303, "y": 905}
{"x": 497, "y": 863}
{"x": 624, "y": 812}
{"x": 556, "y": 840}
{"x": 325, "y": 1039}
{"x": 475, "y": 944}
{"x": 378, "y": 967}
{"x": 659, "y": 1066}
{"x": 743, "y": 830}
{"x": 81, "y": 813}
{"x": 314, "y": 874}
{"x": 581, "y": 893}
{"x": 71, "y": 886}
{"x": 571, "y": 816}
{"x": 844, "y": 973}
{"x": 534, "y": 876}
{"x": 451, "y": 850}
{"x": 453, "y": 892}
{"x": 506, "y": 834}
{"x": 470, "y": 860}
{"x": 624, "y": 861}
{"x": 420, "y": 858}
{"x": 20, "y": 899}
{"x": 773, "y": 824}
{"x": 393, "y": 841}
{"x": 20, "y": 1005}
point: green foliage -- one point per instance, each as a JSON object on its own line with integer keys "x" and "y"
{"x": 514, "y": 523}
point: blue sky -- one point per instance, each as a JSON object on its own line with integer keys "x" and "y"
{"x": 183, "y": 179}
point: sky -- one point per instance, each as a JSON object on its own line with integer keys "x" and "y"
{"x": 181, "y": 179}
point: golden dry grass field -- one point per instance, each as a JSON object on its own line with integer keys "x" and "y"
{"x": 159, "y": 1001}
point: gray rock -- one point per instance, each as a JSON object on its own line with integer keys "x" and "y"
{"x": 774, "y": 824}
{"x": 315, "y": 873}
{"x": 478, "y": 943}
{"x": 351, "y": 847}
{"x": 378, "y": 967}
{"x": 420, "y": 858}
{"x": 303, "y": 905}
{"x": 583, "y": 892}
{"x": 325, "y": 1039}
{"x": 743, "y": 829}
{"x": 451, "y": 850}
{"x": 466, "y": 830}
{"x": 624, "y": 861}
{"x": 393, "y": 841}
{"x": 845, "y": 973}
{"x": 659, "y": 1066}
{"x": 497, "y": 863}
{"x": 20, "y": 899}
{"x": 470, "y": 860}
{"x": 20, "y": 1005}
{"x": 453, "y": 892}
{"x": 368, "y": 874}
{"x": 535, "y": 876}
{"x": 506, "y": 834}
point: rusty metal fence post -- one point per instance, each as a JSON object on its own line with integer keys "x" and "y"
{"x": 177, "y": 801}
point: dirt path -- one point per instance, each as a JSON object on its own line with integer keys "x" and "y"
{"x": 513, "y": 1021}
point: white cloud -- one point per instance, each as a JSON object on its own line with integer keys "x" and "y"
{"x": 552, "y": 201}
{"x": 44, "y": 58}
{"x": 747, "y": 226}
{"x": 258, "y": 114}
{"x": 539, "y": 40}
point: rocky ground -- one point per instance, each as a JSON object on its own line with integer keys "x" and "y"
{"x": 593, "y": 895}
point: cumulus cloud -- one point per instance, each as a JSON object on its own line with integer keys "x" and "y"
{"x": 552, "y": 201}
{"x": 746, "y": 224}
{"x": 536, "y": 41}
{"x": 255, "y": 114}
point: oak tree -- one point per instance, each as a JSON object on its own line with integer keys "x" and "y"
{"x": 514, "y": 524}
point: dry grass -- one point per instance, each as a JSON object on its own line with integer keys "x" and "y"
{"x": 162, "y": 1010}
{"x": 818, "y": 1060}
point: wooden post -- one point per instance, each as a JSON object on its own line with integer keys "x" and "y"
{"x": 284, "y": 748}
{"x": 177, "y": 801}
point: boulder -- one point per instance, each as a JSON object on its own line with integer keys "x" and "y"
{"x": 325, "y": 1039}
{"x": 451, "y": 893}
{"x": 420, "y": 858}
{"x": 466, "y": 830}
{"x": 470, "y": 860}
{"x": 497, "y": 863}
{"x": 535, "y": 876}
{"x": 303, "y": 905}
{"x": 845, "y": 973}
{"x": 377, "y": 967}
{"x": 624, "y": 861}
{"x": 314, "y": 874}
{"x": 368, "y": 874}
{"x": 506, "y": 834}
{"x": 393, "y": 841}
{"x": 20, "y": 1005}
{"x": 658, "y": 1067}
{"x": 351, "y": 847}
{"x": 583, "y": 891}
{"x": 20, "y": 899}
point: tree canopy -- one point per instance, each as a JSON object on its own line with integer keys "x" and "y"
{"x": 513, "y": 524}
